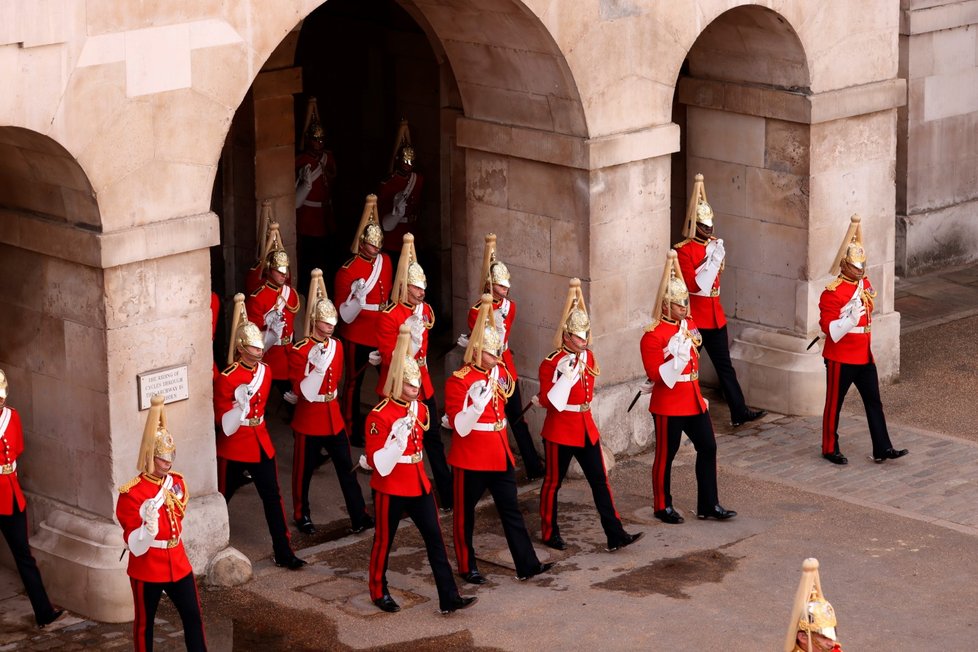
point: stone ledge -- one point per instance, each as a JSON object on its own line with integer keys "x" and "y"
{"x": 103, "y": 250}
{"x": 793, "y": 106}
{"x": 569, "y": 151}
{"x": 932, "y": 19}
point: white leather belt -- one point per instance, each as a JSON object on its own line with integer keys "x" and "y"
{"x": 314, "y": 204}
{"x": 7, "y": 469}
{"x": 490, "y": 427}
{"x": 325, "y": 398}
{"x": 410, "y": 459}
{"x": 861, "y": 329}
{"x": 163, "y": 544}
{"x": 583, "y": 407}
{"x": 688, "y": 378}
{"x": 713, "y": 292}
{"x": 255, "y": 421}
{"x": 372, "y": 307}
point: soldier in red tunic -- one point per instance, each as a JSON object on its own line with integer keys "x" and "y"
{"x": 813, "y": 623}
{"x": 150, "y": 510}
{"x": 13, "y": 511}
{"x": 701, "y": 258}
{"x": 845, "y": 316}
{"x": 365, "y": 281}
{"x": 475, "y": 399}
{"x": 399, "y": 200}
{"x": 566, "y": 390}
{"x": 395, "y": 431}
{"x": 407, "y": 306}
{"x": 504, "y": 310}
{"x": 273, "y": 307}
{"x": 243, "y": 443}
{"x": 671, "y": 359}
{"x": 315, "y": 223}
{"x": 316, "y": 367}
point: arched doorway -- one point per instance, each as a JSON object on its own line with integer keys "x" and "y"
{"x": 739, "y": 101}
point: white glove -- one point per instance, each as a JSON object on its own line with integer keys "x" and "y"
{"x": 275, "y": 322}
{"x": 845, "y": 323}
{"x": 374, "y": 358}
{"x": 242, "y": 397}
{"x": 139, "y": 541}
{"x": 445, "y": 423}
{"x": 417, "y": 333}
{"x": 290, "y": 397}
{"x": 568, "y": 366}
{"x": 386, "y": 458}
{"x": 646, "y": 387}
{"x": 152, "y": 525}
{"x": 359, "y": 289}
{"x": 364, "y": 464}
{"x": 561, "y": 390}
{"x": 670, "y": 373}
{"x": 478, "y": 397}
{"x": 716, "y": 251}
{"x": 311, "y": 384}
{"x": 680, "y": 347}
{"x": 463, "y": 341}
{"x": 706, "y": 274}
{"x": 317, "y": 358}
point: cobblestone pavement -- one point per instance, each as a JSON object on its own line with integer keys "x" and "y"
{"x": 897, "y": 543}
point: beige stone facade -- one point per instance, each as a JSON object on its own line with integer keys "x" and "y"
{"x": 137, "y": 141}
{"x": 937, "y": 153}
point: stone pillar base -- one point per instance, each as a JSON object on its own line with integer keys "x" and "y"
{"x": 778, "y": 373}
{"x": 79, "y": 560}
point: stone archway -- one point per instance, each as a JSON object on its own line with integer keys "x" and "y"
{"x": 783, "y": 167}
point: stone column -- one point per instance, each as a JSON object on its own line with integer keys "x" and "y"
{"x": 566, "y": 207}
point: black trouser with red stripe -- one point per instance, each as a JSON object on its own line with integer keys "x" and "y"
{"x": 434, "y": 450}
{"x": 305, "y": 455}
{"x": 387, "y": 511}
{"x": 355, "y": 359}
{"x": 592, "y": 464}
{"x": 521, "y": 433}
{"x": 15, "y": 531}
{"x": 183, "y": 595}
{"x": 230, "y": 476}
{"x": 718, "y": 348}
{"x": 668, "y": 433}
{"x": 839, "y": 378}
{"x": 469, "y": 488}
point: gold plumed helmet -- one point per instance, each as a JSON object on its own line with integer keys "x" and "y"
{"x": 157, "y": 440}
{"x": 404, "y": 368}
{"x": 315, "y": 131}
{"x": 672, "y": 287}
{"x": 248, "y": 334}
{"x": 811, "y": 612}
{"x": 401, "y": 142}
{"x": 699, "y": 210}
{"x": 484, "y": 335}
{"x": 852, "y": 250}
{"x": 320, "y": 308}
{"x": 311, "y": 124}
{"x": 3, "y": 385}
{"x": 407, "y": 155}
{"x": 278, "y": 260}
{"x": 369, "y": 230}
{"x": 494, "y": 271}
{"x": 324, "y": 310}
{"x": 409, "y": 272}
{"x": 574, "y": 319}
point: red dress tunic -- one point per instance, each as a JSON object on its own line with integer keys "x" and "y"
{"x": 387, "y": 330}
{"x": 406, "y": 479}
{"x": 853, "y": 347}
{"x": 316, "y": 418}
{"x": 158, "y": 564}
{"x": 258, "y": 304}
{"x": 685, "y": 397}
{"x": 363, "y": 329}
{"x": 569, "y": 427}
{"x": 705, "y": 310}
{"x": 247, "y": 442}
{"x": 486, "y": 448}
{"x": 11, "y": 446}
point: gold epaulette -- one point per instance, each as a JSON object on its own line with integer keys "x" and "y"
{"x": 389, "y": 305}
{"x": 463, "y": 372}
{"x": 258, "y": 290}
{"x": 430, "y": 324}
{"x": 683, "y": 243}
{"x": 298, "y": 304}
{"x": 124, "y": 489}
{"x": 553, "y": 355}
{"x": 298, "y": 345}
{"x": 380, "y": 406}
{"x": 651, "y": 327}
{"x": 229, "y": 370}
{"x": 834, "y": 284}
{"x": 427, "y": 422}
{"x": 476, "y": 306}
{"x": 347, "y": 264}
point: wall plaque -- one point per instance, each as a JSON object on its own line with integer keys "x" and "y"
{"x": 171, "y": 383}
